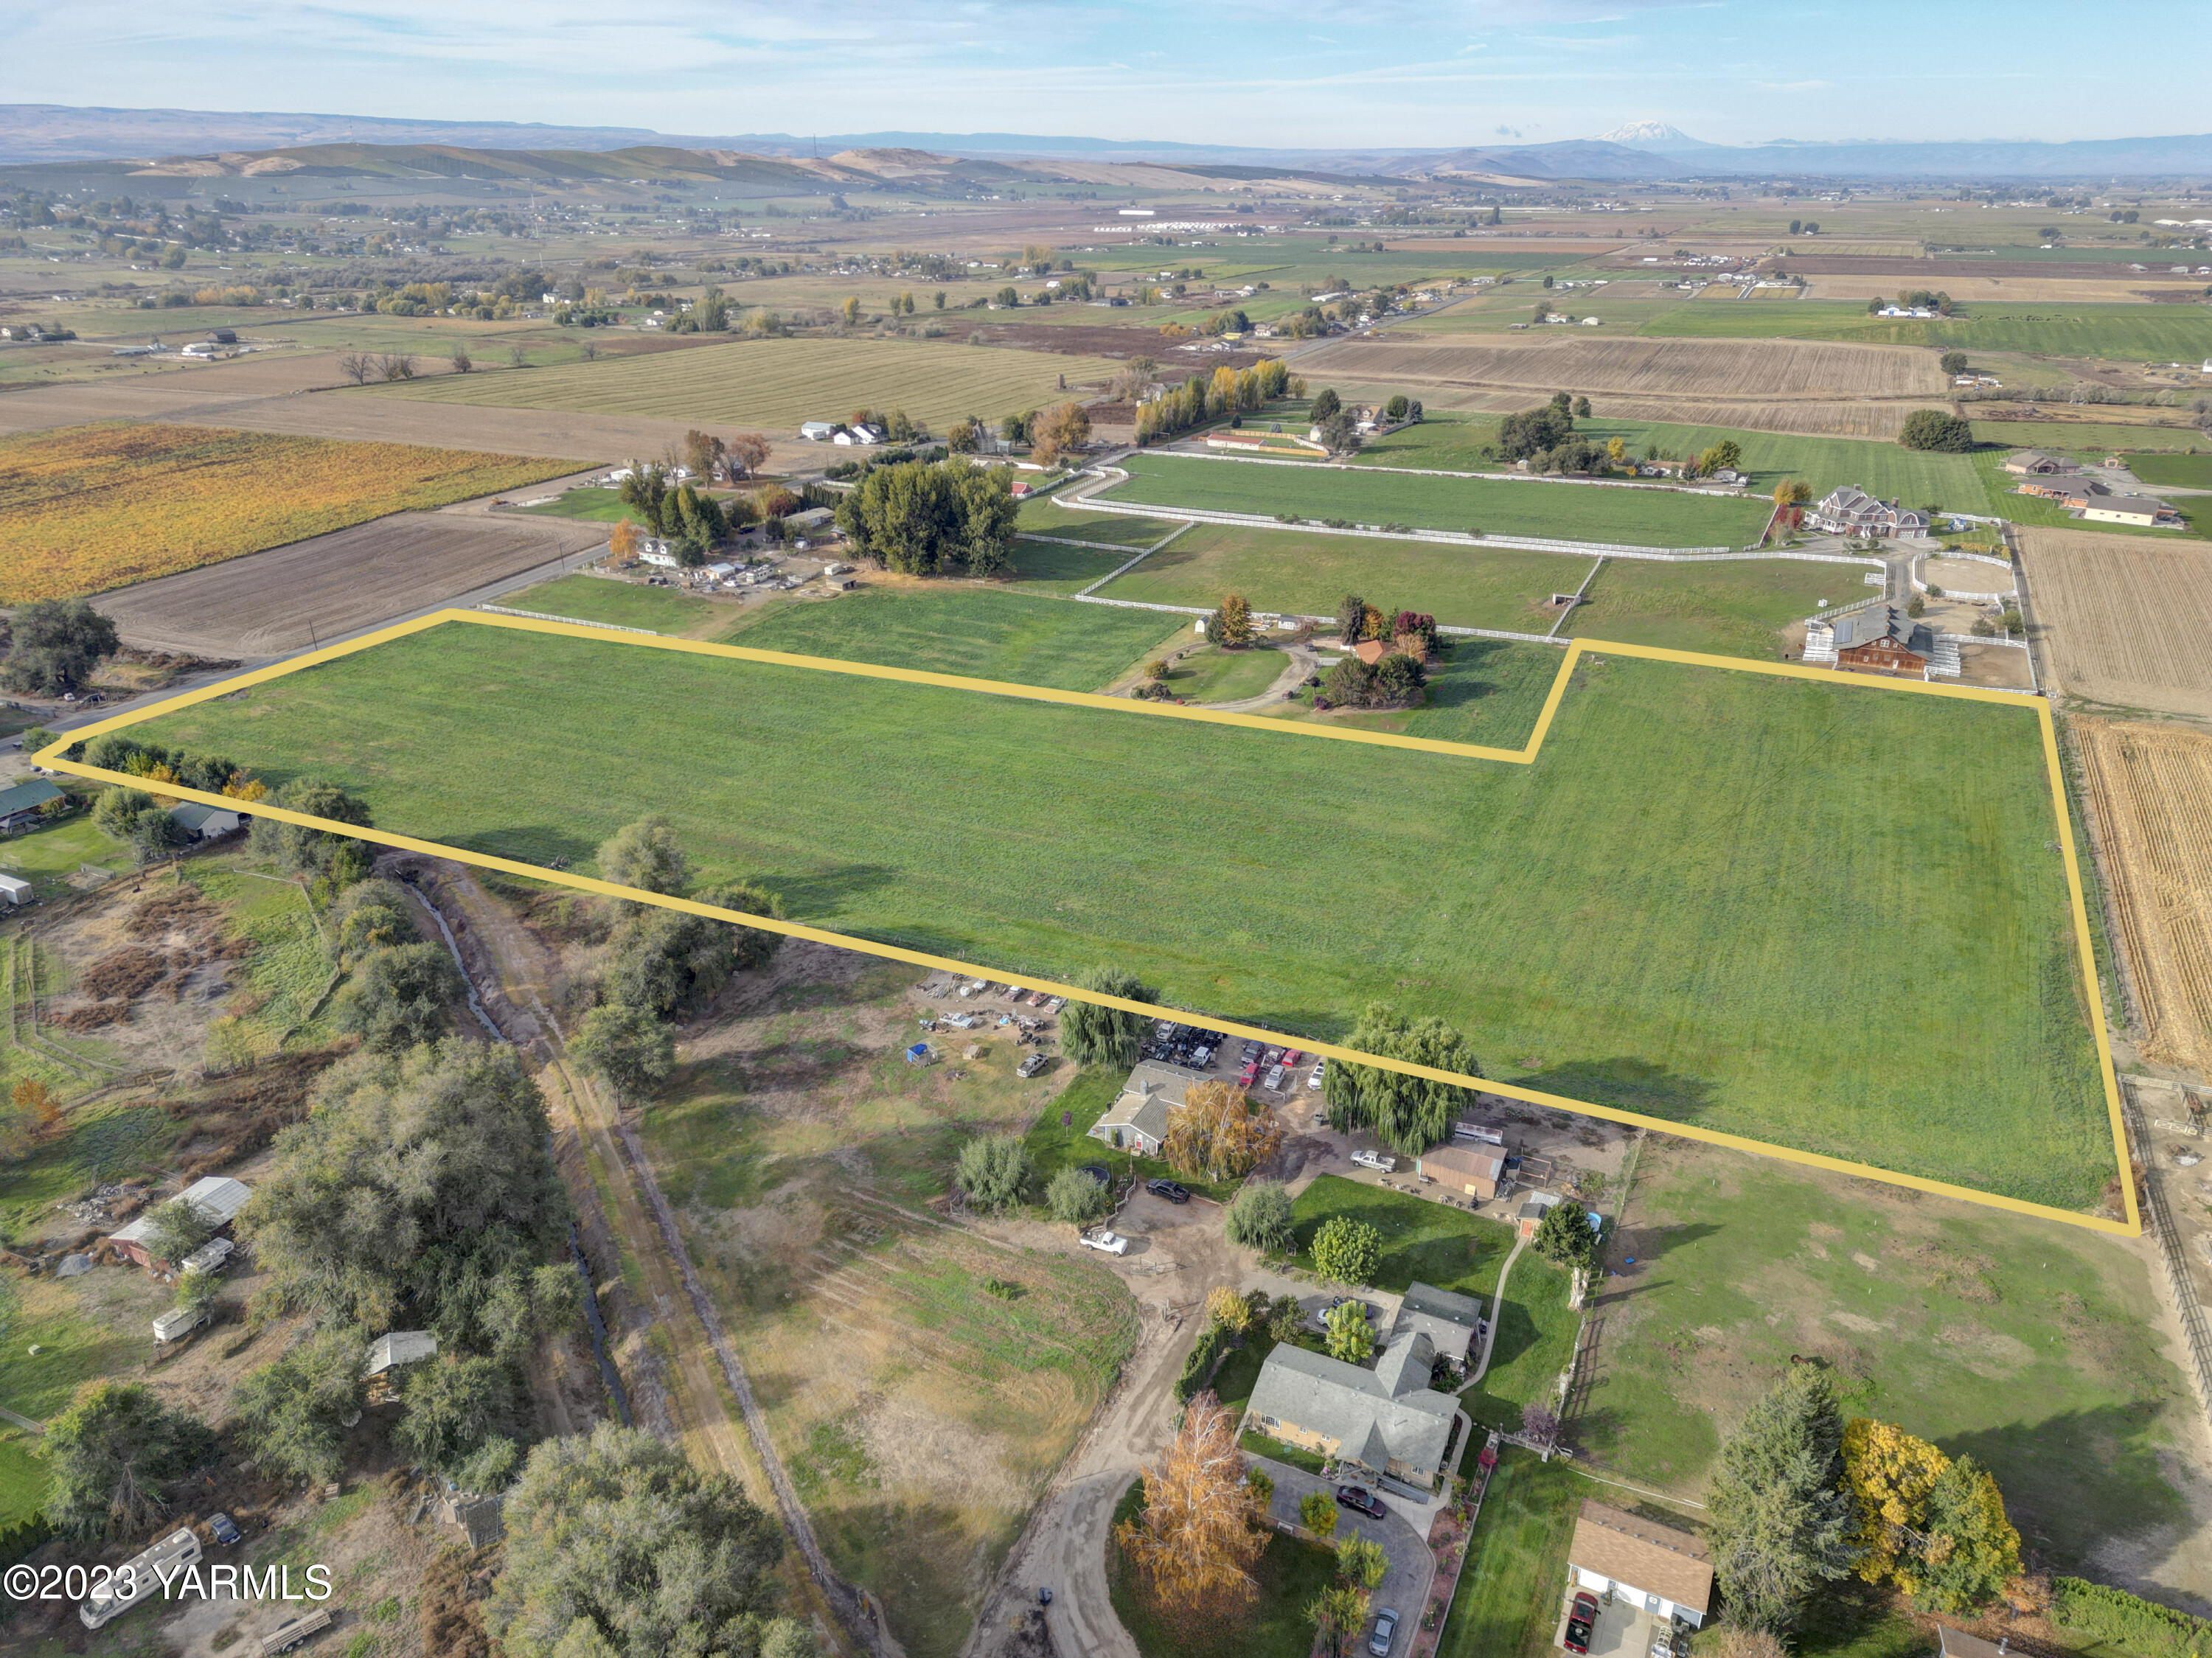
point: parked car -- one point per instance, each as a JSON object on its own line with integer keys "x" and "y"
{"x": 1359, "y": 1498}
{"x": 1274, "y": 1083}
{"x": 1250, "y": 1074}
{"x": 224, "y": 1528}
{"x": 1320, "y": 1067}
{"x": 1168, "y": 1189}
{"x": 1097, "y": 1173}
{"x": 1580, "y": 1617}
{"x": 1386, "y": 1631}
{"x": 1031, "y": 1066}
{"x": 1112, "y": 1243}
{"x": 1290, "y": 1060}
{"x": 1379, "y": 1161}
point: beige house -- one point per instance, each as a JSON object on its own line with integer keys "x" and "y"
{"x": 1668, "y": 1573}
{"x": 1137, "y": 1119}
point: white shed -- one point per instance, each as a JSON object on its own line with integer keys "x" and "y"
{"x": 15, "y": 889}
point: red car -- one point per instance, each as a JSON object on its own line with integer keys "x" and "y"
{"x": 1249, "y": 1074}
{"x": 1580, "y": 1617}
{"x": 1292, "y": 1059}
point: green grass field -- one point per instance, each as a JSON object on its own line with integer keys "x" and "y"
{"x": 780, "y": 382}
{"x": 1425, "y": 1243}
{"x": 1507, "y": 1604}
{"x": 1733, "y": 609}
{"x": 2170, "y": 471}
{"x": 1041, "y": 515}
{"x": 2084, "y": 437}
{"x": 1217, "y": 675}
{"x": 1565, "y": 512}
{"x": 2029, "y": 1344}
{"x": 1730, "y": 969}
{"x": 591, "y": 505}
{"x": 1484, "y": 691}
{"x": 1045, "y": 567}
{"x": 974, "y": 631}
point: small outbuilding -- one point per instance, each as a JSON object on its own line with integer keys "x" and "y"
{"x": 391, "y": 1353}
{"x": 1668, "y": 1573}
{"x": 218, "y": 1199}
{"x": 15, "y": 889}
{"x": 22, "y": 804}
{"x": 203, "y": 823}
{"x": 1477, "y": 1170}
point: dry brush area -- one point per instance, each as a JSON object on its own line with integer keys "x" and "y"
{"x": 2151, "y": 789}
{"x": 2125, "y": 619}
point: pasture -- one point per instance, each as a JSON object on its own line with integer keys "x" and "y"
{"x": 621, "y": 604}
{"x": 2172, "y": 471}
{"x": 86, "y": 508}
{"x": 1500, "y": 507}
{"x": 2031, "y": 1345}
{"x": 921, "y": 1383}
{"x": 778, "y": 383}
{"x": 1484, "y": 691}
{"x": 1734, "y": 608}
{"x": 974, "y": 631}
{"x": 1570, "y": 358}
{"x": 1666, "y": 912}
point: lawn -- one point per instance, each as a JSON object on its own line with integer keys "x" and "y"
{"x": 1668, "y": 911}
{"x": 85, "y": 509}
{"x": 1041, "y": 515}
{"x": 1290, "y": 1575}
{"x": 2127, "y": 332}
{"x": 1563, "y": 511}
{"x": 2031, "y": 1345}
{"x": 1507, "y": 1604}
{"x": 1213, "y": 675}
{"x": 1046, "y": 567}
{"x": 780, "y": 382}
{"x": 1427, "y": 1242}
{"x": 2172, "y": 471}
{"x": 923, "y": 1383}
{"x": 969, "y": 630}
{"x": 2090, "y": 438}
{"x": 47, "y": 857}
{"x": 619, "y": 603}
{"x": 1723, "y": 609}
{"x": 588, "y": 503}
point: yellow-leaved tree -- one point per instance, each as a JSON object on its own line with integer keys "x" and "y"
{"x": 1934, "y": 1527}
{"x": 1214, "y": 1134}
{"x": 1204, "y": 1526}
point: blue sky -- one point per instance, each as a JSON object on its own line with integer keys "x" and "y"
{"x": 1369, "y": 74}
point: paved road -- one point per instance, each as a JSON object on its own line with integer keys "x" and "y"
{"x": 1413, "y": 1568}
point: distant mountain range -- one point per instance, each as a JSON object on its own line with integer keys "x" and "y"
{"x": 1641, "y": 151}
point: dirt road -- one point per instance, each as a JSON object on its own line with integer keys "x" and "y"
{"x": 514, "y": 975}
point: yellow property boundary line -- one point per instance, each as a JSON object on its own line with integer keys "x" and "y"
{"x": 2132, "y": 1226}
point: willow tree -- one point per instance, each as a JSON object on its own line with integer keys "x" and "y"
{"x": 1194, "y": 1547}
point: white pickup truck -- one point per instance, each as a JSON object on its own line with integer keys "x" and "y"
{"x": 1112, "y": 1242}
{"x": 1382, "y": 1162}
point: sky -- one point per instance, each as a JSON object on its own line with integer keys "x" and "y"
{"x": 1373, "y": 74}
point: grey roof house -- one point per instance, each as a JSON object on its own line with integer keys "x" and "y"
{"x": 1137, "y": 1119}
{"x": 1447, "y": 1318}
{"x": 1387, "y": 1421}
{"x": 20, "y": 803}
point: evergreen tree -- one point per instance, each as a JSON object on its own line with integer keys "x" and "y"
{"x": 1780, "y": 1516}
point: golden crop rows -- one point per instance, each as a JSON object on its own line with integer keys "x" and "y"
{"x": 85, "y": 509}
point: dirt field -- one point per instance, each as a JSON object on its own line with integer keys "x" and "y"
{"x": 1958, "y": 577}
{"x": 1688, "y": 368}
{"x": 270, "y": 603}
{"x": 2151, "y": 788}
{"x": 1969, "y": 288}
{"x": 2125, "y": 619}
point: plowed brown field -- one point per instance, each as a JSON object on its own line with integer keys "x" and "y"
{"x": 1684, "y": 368}
{"x": 2151, "y": 788}
{"x": 2125, "y": 619}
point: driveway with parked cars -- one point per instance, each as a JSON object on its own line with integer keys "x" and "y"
{"x": 1405, "y": 1589}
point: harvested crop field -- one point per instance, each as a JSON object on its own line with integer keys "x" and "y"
{"x": 2150, "y": 787}
{"x": 780, "y": 382}
{"x": 2125, "y": 618}
{"x": 88, "y": 508}
{"x": 287, "y": 597}
{"x": 1967, "y": 289}
{"x": 1713, "y": 368}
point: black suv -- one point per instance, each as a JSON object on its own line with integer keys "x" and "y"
{"x": 1168, "y": 1189}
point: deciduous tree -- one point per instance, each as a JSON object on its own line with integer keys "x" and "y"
{"x": 1230, "y": 627}
{"x": 1091, "y": 1034}
{"x": 1193, "y": 1548}
{"x": 1933, "y": 429}
{"x": 991, "y": 1170}
{"x": 1347, "y": 1335}
{"x": 1214, "y": 1134}
{"x": 1408, "y": 1114}
{"x": 459, "y": 1420}
{"x": 55, "y": 644}
{"x": 1259, "y": 1217}
{"x": 1073, "y": 1196}
{"x": 114, "y": 1455}
{"x": 646, "y": 855}
{"x": 1346, "y": 1250}
{"x": 628, "y": 1046}
{"x": 1317, "y": 1514}
{"x": 297, "y": 1408}
{"x": 618, "y": 1547}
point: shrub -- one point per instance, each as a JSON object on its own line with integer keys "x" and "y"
{"x": 1932, "y": 428}
{"x": 1073, "y": 1196}
{"x": 1259, "y": 1217}
{"x": 2143, "y": 1627}
{"x": 1346, "y": 1250}
{"x": 991, "y": 1170}
{"x": 1198, "y": 1368}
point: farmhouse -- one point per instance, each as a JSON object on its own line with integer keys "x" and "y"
{"x": 1137, "y": 1119}
{"x": 1668, "y": 1573}
{"x": 2027, "y": 461}
{"x": 1386, "y": 1421}
{"x": 1879, "y": 639}
{"x": 2145, "y": 512}
{"x": 1449, "y": 1320}
{"x": 1849, "y": 510}
{"x": 1477, "y": 1171}
{"x": 201, "y": 823}
{"x": 217, "y": 1198}
{"x": 20, "y": 806}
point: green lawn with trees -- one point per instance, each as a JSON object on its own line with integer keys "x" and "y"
{"x": 2028, "y": 1343}
{"x": 1424, "y": 1242}
{"x": 1290, "y": 1575}
{"x": 1563, "y": 511}
{"x": 619, "y": 603}
{"x": 1727, "y": 971}
{"x": 1722, "y": 610}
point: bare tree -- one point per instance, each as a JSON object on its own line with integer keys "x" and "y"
{"x": 517, "y": 357}
{"x": 591, "y": 350}
{"x": 463, "y": 363}
{"x": 357, "y": 367}
{"x": 396, "y": 366}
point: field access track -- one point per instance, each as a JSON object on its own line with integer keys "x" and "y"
{"x": 1685, "y": 904}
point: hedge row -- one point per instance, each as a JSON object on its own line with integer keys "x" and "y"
{"x": 2142, "y": 1627}
{"x": 16, "y": 1541}
{"x": 1198, "y": 1370}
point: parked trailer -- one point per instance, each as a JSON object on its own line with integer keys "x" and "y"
{"x": 139, "y": 1578}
